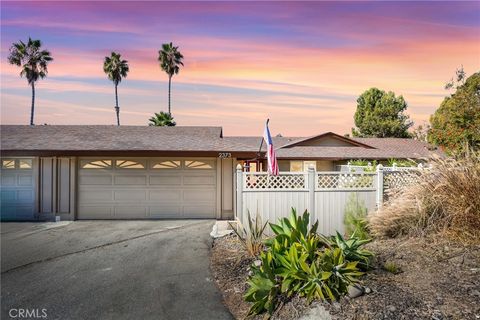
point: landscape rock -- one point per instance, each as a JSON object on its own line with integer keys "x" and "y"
{"x": 355, "y": 291}
{"x": 318, "y": 312}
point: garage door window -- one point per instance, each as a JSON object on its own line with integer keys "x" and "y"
{"x": 25, "y": 164}
{"x": 195, "y": 164}
{"x": 170, "y": 164}
{"x": 129, "y": 164}
{"x": 8, "y": 164}
{"x": 97, "y": 164}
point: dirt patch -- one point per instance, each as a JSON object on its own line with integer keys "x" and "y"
{"x": 435, "y": 280}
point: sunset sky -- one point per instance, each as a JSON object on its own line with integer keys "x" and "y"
{"x": 301, "y": 64}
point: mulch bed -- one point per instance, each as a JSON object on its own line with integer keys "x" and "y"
{"x": 436, "y": 280}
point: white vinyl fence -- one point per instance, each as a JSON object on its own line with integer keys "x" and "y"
{"x": 324, "y": 194}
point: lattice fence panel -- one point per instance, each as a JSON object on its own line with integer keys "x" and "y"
{"x": 395, "y": 181}
{"x": 345, "y": 181}
{"x": 284, "y": 182}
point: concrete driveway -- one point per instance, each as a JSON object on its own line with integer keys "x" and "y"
{"x": 109, "y": 270}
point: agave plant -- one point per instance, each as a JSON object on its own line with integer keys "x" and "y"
{"x": 251, "y": 237}
{"x": 352, "y": 250}
{"x": 263, "y": 288}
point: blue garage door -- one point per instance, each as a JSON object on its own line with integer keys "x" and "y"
{"x": 17, "y": 189}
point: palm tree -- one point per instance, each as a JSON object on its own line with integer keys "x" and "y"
{"x": 162, "y": 119}
{"x": 170, "y": 61}
{"x": 33, "y": 62}
{"x": 116, "y": 69}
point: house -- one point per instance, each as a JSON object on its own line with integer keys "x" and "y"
{"x": 141, "y": 172}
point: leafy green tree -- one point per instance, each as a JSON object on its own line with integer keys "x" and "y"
{"x": 162, "y": 119}
{"x": 33, "y": 62}
{"x": 116, "y": 69}
{"x": 380, "y": 114}
{"x": 170, "y": 61}
{"x": 455, "y": 125}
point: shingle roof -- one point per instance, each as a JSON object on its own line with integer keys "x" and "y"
{"x": 383, "y": 148}
{"x": 113, "y": 138}
{"x": 192, "y": 139}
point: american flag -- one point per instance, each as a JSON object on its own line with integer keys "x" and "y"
{"x": 271, "y": 158}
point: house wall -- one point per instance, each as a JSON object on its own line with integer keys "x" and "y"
{"x": 227, "y": 187}
{"x": 327, "y": 142}
{"x": 57, "y": 187}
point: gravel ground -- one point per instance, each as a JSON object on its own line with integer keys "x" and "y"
{"x": 435, "y": 280}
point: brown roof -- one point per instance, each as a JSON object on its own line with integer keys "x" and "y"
{"x": 114, "y": 138}
{"x": 19, "y": 138}
{"x": 362, "y": 148}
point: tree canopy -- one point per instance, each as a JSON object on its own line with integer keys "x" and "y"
{"x": 381, "y": 114}
{"x": 456, "y": 123}
{"x": 162, "y": 119}
{"x": 115, "y": 68}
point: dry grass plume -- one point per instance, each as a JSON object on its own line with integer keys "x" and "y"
{"x": 445, "y": 200}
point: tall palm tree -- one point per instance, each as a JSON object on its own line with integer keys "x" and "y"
{"x": 33, "y": 61}
{"x": 170, "y": 61}
{"x": 116, "y": 69}
{"x": 162, "y": 119}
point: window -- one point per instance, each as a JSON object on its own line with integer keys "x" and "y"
{"x": 129, "y": 164}
{"x": 25, "y": 164}
{"x": 296, "y": 166}
{"x": 169, "y": 164}
{"x": 195, "y": 164}
{"x": 8, "y": 164}
{"x": 97, "y": 164}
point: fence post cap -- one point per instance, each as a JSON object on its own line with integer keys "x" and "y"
{"x": 379, "y": 167}
{"x": 311, "y": 167}
{"x": 420, "y": 166}
{"x": 239, "y": 166}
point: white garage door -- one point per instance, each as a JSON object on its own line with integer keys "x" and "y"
{"x": 17, "y": 189}
{"x": 146, "y": 188}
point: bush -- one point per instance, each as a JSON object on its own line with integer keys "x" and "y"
{"x": 297, "y": 260}
{"x": 355, "y": 219}
{"x": 445, "y": 200}
{"x": 251, "y": 237}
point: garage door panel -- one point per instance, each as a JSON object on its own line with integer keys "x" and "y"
{"x": 24, "y": 212}
{"x": 8, "y": 195}
{"x": 199, "y": 195}
{"x": 130, "y": 180}
{"x": 95, "y": 212}
{"x": 166, "y": 180}
{"x": 166, "y": 211}
{"x": 95, "y": 180}
{"x": 129, "y": 195}
{"x": 8, "y": 180}
{"x": 25, "y": 195}
{"x": 130, "y": 212}
{"x": 199, "y": 180}
{"x": 25, "y": 180}
{"x": 165, "y": 195}
{"x": 98, "y": 195}
{"x": 149, "y": 193}
{"x": 198, "y": 211}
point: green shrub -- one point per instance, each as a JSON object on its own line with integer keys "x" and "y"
{"x": 355, "y": 218}
{"x": 251, "y": 237}
{"x": 352, "y": 250}
{"x": 401, "y": 162}
{"x": 298, "y": 260}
